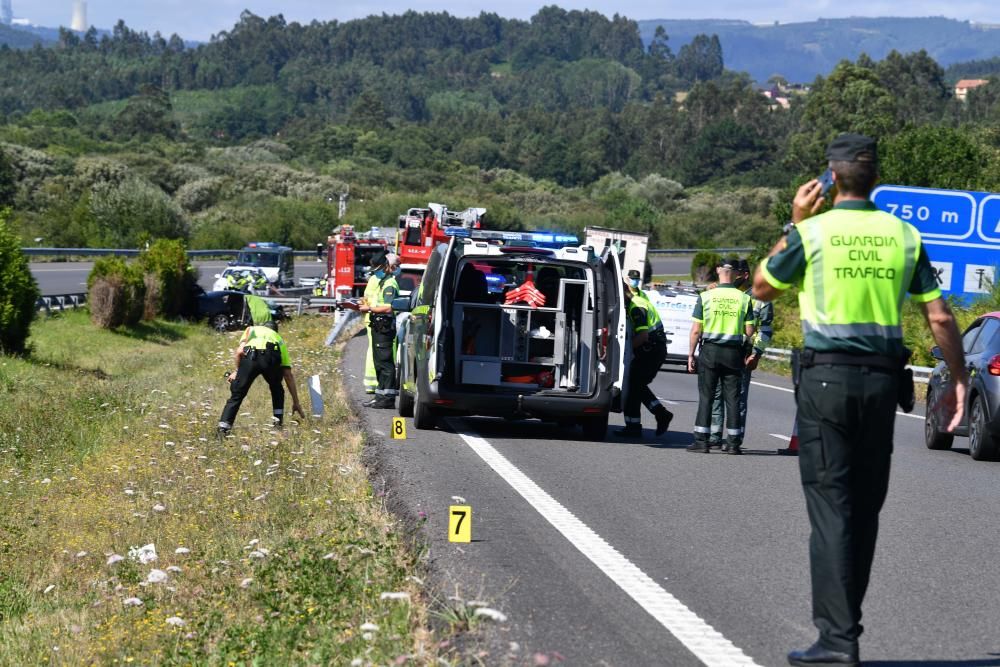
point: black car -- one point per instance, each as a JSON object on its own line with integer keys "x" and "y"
{"x": 472, "y": 346}
{"x": 226, "y": 310}
{"x": 981, "y": 346}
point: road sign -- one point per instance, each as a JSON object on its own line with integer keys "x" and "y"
{"x": 961, "y": 231}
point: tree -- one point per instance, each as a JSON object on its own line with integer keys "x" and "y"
{"x": 8, "y": 186}
{"x": 701, "y": 60}
{"x": 917, "y": 83}
{"x": 146, "y": 114}
{"x": 18, "y": 291}
{"x": 933, "y": 157}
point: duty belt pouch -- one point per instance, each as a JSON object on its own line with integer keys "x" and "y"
{"x": 383, "y": 323}
{"x": 796, "y": 367}
{"x": 906, "y": 392}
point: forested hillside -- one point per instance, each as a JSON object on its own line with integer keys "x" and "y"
{"x": 564, "y": 120}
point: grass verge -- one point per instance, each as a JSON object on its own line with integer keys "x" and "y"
{"x": 270, "y": 547}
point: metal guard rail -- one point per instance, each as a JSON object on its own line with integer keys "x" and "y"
{"x": 920, "y": 373}
{"x": 60, "y": 301}
{"x": 126, "y": 252}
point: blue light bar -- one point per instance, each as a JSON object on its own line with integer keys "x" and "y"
{"x": 457, "y": 231}
{"x": 530, "y": 239}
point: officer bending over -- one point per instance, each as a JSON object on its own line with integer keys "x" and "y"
{"x": 723, "y": 322}
{"x": 261, "y": 351}
{"x": 382, "y": 324}
{"x": 649, "y": 349}
{"x": 854, "y": 265}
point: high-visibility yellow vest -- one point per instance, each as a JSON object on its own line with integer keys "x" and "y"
{"x": 724, "y": 315}
{"x": 652, "y": 317}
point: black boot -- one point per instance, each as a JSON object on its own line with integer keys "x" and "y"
{"x": 663, "y": 418}
{"x": 734, "y": 449}
{"x": 384, "y": 403}
{"x": 817, "y": 656}
{"x": 698, "y": 446}
{"x": 630, "y": 431}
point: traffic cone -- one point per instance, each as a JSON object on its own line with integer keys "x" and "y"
{"x": 793, "y": 444}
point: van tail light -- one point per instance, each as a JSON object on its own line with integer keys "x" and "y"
{"x": 602, "y": 343}
{"x": 593, "y": 411}
{"x": 443, "y": 401}
{"x": 994, "y": 365}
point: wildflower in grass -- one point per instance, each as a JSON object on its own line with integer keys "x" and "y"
{"x": 492, "y": 614}
{"x": 114, "y": 558}
{"x": 395, "y": 596}
{"x": 129, "y": 492}
{"x": 259, "y": 554}
{"x": 132, "y": 602}
{"x": 173, "y": 569}
{"x": 246, "y": 582}
{"x": 145, "y": 554}
{"x": 159, "y": 508}
{"x": 176, "y": 621}
{"x": 458, "y": 499}
{"x": 182, "y": 550}
{"x": 81, "y": 554}
{"x": 49, "y": 588}
{"x": 157, "y": 577}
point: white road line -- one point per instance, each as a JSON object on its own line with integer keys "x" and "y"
{"x": 780, "y": 437}
{"x": 792, "y": 391}
{"x": 706, "y": 643}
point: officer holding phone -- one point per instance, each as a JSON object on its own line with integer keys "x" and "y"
{"x": 851, "y": 373}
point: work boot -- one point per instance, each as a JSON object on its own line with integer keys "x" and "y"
{"x": 663, "y": 418}
{"x": 715, "y": 443}
{"x": 700, "y": 447}
{"x": 630, "y": 431}
{"x": 817, "y": 655}
{"x": 383, "y": 403}
{"x": 734, "y": 449}
{"x": 222, "y": 432}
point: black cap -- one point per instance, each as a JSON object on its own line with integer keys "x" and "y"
{"x": 852, "y": 148}
{"x": 742, "y": 265}
{"x": 633, "y": 274}
{"x": 379, "y": 260}
{"x": 726, "y": 264}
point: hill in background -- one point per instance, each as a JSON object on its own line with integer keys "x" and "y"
{"x": 18, "y": 37}
{"x": 802, "y": 51}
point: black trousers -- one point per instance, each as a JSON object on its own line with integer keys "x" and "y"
{"x": 385, "y": 366}
{"x": 846, "y": 416}
{"x": 254, "y": 364}
{"x": 719, "y": 364}
{"x": 641, "y": 371}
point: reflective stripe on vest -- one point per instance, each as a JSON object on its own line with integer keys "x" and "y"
{"x": 859, "y": 265}
{"x": 724, "y": 313}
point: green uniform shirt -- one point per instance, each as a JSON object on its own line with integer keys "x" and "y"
{"x": 388, "y": 289}
{"x": 260, "y": 312}
{"x": 723, "y": 312}
{"x": 258, "y": 338}
{"x": 853, "y": 268}
{"x": 642, "y": 314}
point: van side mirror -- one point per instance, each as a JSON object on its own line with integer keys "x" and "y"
{"x": 401, "y": 304}
{"x": 936, "y": 353}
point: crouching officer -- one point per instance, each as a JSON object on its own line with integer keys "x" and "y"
{"x": 262, "y": 351}
{"x": 649, "y": 349}
{"x": 382, "y": 324}
{"x": 723, "y": 322}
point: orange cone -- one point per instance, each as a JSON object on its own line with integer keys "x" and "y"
{"x": 793, "y": 444}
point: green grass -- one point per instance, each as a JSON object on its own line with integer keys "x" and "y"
{"x": 106, "y": 443}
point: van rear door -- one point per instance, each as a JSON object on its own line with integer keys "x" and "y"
{"x": 437, "y": 355}
{"x": 619, "y": 351}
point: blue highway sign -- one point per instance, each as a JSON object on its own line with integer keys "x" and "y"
{"x": 961, "y": 231}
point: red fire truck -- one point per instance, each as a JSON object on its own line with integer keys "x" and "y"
{"x": 420, "y": 229}
{"x": 348, "y": 257}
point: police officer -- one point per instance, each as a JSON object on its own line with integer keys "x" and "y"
{"x": 723, "y": 323}
{"x": 649, "y": 349}
{"x": 382, "y": 324}
{"x": 853, "y": 264}
{"x": 369, "y": 298}
{"x": 763, "y": 322}
{"x": 261, "y": 351}
{"x": 635, "y": 282}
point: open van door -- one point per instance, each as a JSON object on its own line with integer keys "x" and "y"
{"x": 619, "y": 349}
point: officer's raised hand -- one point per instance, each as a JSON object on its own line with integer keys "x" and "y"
{"x": 808, "y": 201}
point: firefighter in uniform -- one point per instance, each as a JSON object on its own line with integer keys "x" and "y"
{"x": 649, "y": 349}
{"x": 382, "y": 325}
{"x": 723, "y": 323}
{"x": 763, "y": 322}
{"x": 261, "y": 351}
{"x": 854, "y": 265}
{"x": 370, "y": 297}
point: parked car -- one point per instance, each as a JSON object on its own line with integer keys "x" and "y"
{"x": 226, "y": 310}
{"x": 981, "y": 346}
{"x": 474, "y": 346}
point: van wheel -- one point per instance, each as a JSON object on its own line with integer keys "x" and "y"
{"x": 595, "y": 428}
{"x": 934, "y": 438}
{"x": 405, "y": 398}
{"x": 423, "y": 415}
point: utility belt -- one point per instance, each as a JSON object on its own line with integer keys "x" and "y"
{"x": 383, "y": 323}
{"x": 906, "y": 394}
{"x": 657, "y": 338}
{"x": 254, "y": 352}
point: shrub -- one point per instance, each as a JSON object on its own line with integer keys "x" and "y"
{"x": 117, "y": 293}
{"x": 168, "y": 277}
{"x": 18, "y": 291}
{"x": 703, "y": 266}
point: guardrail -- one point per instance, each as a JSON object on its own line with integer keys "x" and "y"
{"x": 692, "y": 251}
{"x": 60, "y": 301}
{"x": 921, "y": 374}
{"x": 130, "y": 252}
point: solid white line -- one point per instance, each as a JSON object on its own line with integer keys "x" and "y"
{"x": 780, "y": 437}
{"x": 706, "y": 643}
{"x": 792, "y": 391}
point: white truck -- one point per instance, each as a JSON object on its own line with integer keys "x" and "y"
{"x": 675, "y": 306}
{"x": 631, "y": 247}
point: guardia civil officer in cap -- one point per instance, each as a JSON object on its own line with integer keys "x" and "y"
{"x": 649, "y": 350}
{"x": 722, "y": 322}
{"x": 382, "y": 323}
{"x": 853, "y": 266}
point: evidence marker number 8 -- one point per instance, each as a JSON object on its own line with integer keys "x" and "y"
{"x": 398, "y": 428}
{"x": 460, "y": 523}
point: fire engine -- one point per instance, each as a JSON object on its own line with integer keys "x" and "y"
{"x": 348, "y": 258}
{"x": 420, "y": 229}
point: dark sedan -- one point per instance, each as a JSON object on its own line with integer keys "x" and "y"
{"x": 981, "y": 345}
{"x": 225, "y": 310}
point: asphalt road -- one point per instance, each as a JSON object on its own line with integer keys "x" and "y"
{"x": 671, "y": 265}
{"x": 726, "y": 536}
{"x": 71, "y": 277}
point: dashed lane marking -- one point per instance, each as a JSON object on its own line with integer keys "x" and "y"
{"x": 792, "y": 391}
{"x": 704, "y": 641}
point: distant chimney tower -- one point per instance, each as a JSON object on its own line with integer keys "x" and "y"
{"x": 6, "y": 13}
{"x": 79, "y": 22}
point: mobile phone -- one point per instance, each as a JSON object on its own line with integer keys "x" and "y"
{"x": 826, "y": 182}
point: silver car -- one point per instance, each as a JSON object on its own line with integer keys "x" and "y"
{"x": 981, "y": 345}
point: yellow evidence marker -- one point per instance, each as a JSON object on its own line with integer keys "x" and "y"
{"x": 398, "y": 428}
{"x": 460, "y": 523}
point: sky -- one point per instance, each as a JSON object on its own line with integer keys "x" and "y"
{"x": 199, "y": 19}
